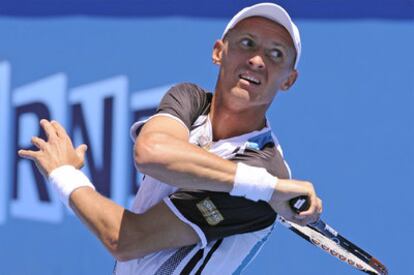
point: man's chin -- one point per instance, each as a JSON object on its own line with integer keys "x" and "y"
{"x": 241, "y": 94}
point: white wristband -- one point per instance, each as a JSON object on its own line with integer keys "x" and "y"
{"x": 66, "y": 179}
{"x": 253, "y": 183}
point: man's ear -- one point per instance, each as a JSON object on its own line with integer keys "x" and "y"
{"x": 217, "y": 52}
{"x": 293, "y": 75}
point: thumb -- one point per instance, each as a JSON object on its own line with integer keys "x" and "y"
{"x": 81, "y": 150}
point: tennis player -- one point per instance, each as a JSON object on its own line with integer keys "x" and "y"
{"x": 215, "y": 176}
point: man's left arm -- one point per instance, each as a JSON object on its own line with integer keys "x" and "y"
{"x": 125, "y": 234}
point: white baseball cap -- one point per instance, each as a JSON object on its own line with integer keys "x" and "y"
{"x": 272, "y": 12}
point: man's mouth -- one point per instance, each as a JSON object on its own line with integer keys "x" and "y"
{"x": 250, "y": 79}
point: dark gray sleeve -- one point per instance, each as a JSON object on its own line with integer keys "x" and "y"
{"x": 185, "y": 101}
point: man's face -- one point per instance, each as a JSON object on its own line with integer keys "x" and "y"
{"x": 256, "y": 60}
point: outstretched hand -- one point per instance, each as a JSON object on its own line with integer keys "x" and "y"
{"x": 56, "y": 151}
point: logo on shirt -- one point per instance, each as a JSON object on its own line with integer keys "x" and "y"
{"x": 210, "y": 212}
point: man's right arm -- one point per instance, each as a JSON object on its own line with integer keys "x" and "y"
{"x": 162, "y": 151}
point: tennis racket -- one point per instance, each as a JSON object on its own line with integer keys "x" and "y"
{"x": 329, "y": 240}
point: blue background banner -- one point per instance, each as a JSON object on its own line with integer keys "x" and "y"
{"x": 330, "y": 9}
{"x": 346, "y": 125}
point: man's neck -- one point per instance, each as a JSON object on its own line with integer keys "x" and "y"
{"x": 227, "y": 123}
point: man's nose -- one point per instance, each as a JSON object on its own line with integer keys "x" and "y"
{"x": 256, "y": 62}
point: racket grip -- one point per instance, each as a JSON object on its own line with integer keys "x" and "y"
{"x": 299, "y": 204}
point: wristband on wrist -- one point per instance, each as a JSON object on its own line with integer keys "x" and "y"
{"x": 66, "y": 179}
{"x": 253, "y": 183}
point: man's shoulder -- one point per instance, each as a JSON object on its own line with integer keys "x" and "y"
{"x": 188, "y": 87}
{"x": 190, "y": 95}
{"x": 185, "y": 101}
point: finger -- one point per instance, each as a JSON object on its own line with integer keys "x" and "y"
{"x": 39, "y": 143}
{"x": 61, "y": 132}
{"x": 49, "y": 129}
{"x": 291, "y": 215}
{"x": 311, "y": 218}
{"x": 313, "y": 203}
{"x": 307, "y": 220}
{"x": 28, "y": 154}
{"x": 318, "y": 210}
{"x": 318, "y": 213}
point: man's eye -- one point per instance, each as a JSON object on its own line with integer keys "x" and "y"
{"x": 275, "y": 53}
{"x": 247, "y": 43}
